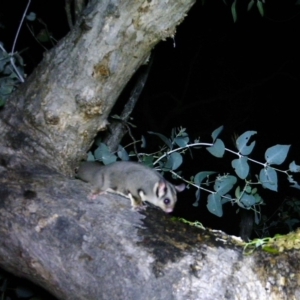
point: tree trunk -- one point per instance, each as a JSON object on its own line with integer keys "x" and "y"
{"x": 56, "y": 114}
{"x": 52, "y": 234}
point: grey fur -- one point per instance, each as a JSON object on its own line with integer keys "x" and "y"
{"x": 133, "y": 180}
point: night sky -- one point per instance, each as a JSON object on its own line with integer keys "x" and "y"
{"x": 242, "y": 75}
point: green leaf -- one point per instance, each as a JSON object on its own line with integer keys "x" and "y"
{"x": 268, "y": 178}
{"x": 163, "y": 138}
{"x": 218, "y": 148}
{"x": 199, "y": 177}
{"x": 277, "y": 154}
{"x": 241, "y": 167}
{"x": 7, "y": 85}
{"x": 293, "y": 167}
{"x": 224, "y": 184}
{"x": 242, "y": 141}
{"x": 237, "y": 192}
{"x": 173, "y": 133}
{"x": 181, "y": 141}
{"x": 233, "y": 11}
{"x": 259, "y": 200}
{"x": 31, "y": 16}
{"x": 122, "y": 153}
{"x": 248, "y": 189}
{"x": 250, "y": 4}
{"x": 214, "y": 204}
{"x": 103, "y": 154}
{"x": 227, "y": 199}
{"x": 247, "y": 200}
{"x": 197, "y": 195}
{"x": 294, "y": 184}
{"x": 260, "y": 8}
{"x": 256, "y": 217}
{"x": 148, "y": 161}
{"x": 216, "y": 133}
{"x": 90, "y": 156}
{"x": 4, "y": 62}
{"x": 107, "y": 160}
{"x": 143, "y": 143}
{"x": 254, "y": 191}
{"x": 174, "y": 161}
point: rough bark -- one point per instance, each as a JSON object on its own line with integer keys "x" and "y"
{"x": 52, "y": 234}
{"x": 100, "y": 249}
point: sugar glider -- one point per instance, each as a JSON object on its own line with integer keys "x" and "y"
{"x": 132, "y": 180}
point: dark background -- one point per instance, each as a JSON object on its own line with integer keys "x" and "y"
{"x": 242, "y": 75}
